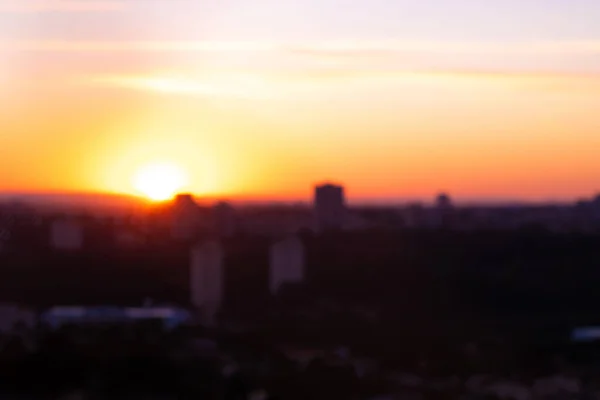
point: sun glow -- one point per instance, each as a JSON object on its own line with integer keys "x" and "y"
{"x": 160, "y": 181}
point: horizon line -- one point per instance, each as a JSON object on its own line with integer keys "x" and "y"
{"x": 266, "y": 199}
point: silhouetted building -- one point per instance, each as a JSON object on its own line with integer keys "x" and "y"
{"x": 287, "y": 263}
{"x": 443, "y": 202}
{"x": 443, "y": 211}
{"x": 206, "y": 279}
{"x": 66, "y": 234}
{"x": 330, "y": 207}
{"x": 185, "y": 217}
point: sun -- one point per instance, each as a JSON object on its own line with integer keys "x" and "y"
{"x": 159, "y": 181}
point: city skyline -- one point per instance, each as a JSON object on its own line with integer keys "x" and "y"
{"x": 265, "y": 99}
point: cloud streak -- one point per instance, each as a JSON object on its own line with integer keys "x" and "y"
{"x": 239, "y": 86}
{"x": 133, "y": 46}
{"x": 554, "y": 56}
{"x": 265, "y": 86}
{"x": 263, "y": 66}
{"x": 340, "y": 48}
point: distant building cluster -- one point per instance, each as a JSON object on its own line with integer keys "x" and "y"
{"x": 207, "y": 268}
{"x": 187, "y": 221}
{"x": 382, "y": 277}
{"x": 204, "y": 236}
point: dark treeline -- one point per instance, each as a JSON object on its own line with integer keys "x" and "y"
{"x": 144, "y": 362}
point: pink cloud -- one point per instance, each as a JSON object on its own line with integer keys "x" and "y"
{"x": 36, "y": 6}
{"x": 337, "y": 58}
{"x": 135, "y": 46}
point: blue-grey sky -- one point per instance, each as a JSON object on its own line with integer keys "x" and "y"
{"x": 470, "y": 20}
{"x": 555, "y": 35}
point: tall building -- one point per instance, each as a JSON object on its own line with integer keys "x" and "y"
{"x": 225, "y": 219}
{"x": 287, "y": 263}
{"x": 443, "y": 215}
{"x": 443, "y": 202}
{"x": 330, "y": 207}
{"x": 66, "y": 234}
{"x": 206, "y": 279}
{"x": 185, "y": 217}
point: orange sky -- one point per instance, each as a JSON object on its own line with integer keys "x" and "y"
{"x": 389, "y": 116}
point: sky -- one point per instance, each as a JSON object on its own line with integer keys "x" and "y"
{"x": 264, "y": 98}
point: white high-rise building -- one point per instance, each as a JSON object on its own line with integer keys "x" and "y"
{"x": 206, "y": 279}
{"x": 287, "y": 263}
{"x": 66, "y": 234}
{"x": 330, "y": 207}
